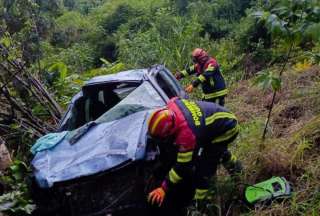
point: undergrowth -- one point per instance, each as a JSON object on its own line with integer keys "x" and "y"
{"x": 291, "y": 151}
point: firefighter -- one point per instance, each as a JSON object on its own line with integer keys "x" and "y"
{"x": 208, "y": 75}
{"x": 201, "y": 132}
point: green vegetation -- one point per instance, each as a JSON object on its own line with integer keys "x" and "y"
{"x": 272, "y": 44}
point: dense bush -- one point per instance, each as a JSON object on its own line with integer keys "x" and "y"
{"x": 169, "y": 41}
{"x": 78, "y": 58}
{"x": 71, "y": 27}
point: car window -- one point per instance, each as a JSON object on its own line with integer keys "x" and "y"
{"x": 168, "y": 84}
{"x": 95, "y": 101}
{"x": 142, "y": 98}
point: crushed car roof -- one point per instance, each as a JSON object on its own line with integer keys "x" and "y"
{"x": 119, "y": 135}
{"x": 130, "y": 75}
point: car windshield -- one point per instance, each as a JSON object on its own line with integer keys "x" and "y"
{"x": 142, "y": 98}
{"x": 94, "y": 101}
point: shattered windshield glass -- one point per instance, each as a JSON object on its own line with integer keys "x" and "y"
{"x": 142, "y": 98}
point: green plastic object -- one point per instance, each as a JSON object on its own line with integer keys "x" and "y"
{"x": 276, "y": 187}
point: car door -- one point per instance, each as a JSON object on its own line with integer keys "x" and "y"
{"x": 167, "y": 85}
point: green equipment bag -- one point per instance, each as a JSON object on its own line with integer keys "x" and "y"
{"x": 276, "y": 187}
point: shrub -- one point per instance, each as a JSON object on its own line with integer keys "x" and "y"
{"x": 71, "y": 27}
{"x": 169, "y": 41}
{"x": 78, "y": 58}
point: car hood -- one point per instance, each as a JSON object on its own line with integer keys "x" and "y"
{"x": 104, "y": 146}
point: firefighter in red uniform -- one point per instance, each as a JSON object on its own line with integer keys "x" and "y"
{"x": 208, "y": 75}
{"x": 201, "y": 132}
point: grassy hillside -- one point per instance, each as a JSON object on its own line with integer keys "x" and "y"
{"x": 291, "y": 148}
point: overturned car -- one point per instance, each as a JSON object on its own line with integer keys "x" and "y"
{"x": 104, "y": 163}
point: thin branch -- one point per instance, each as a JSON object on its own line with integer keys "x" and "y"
{"x": 39, "y": 98}
{"x": 54, "y": 110}
{"x": 275, "y": 92}
{"x": 37, "y": 123}
{"x": 57, "y": 109}
{"x": 11, "y": 77}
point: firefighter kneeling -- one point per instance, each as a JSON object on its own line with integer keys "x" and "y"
{"x": 201, "y": 132}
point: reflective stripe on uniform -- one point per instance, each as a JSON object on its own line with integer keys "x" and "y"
{"x": 202, "y": 78}
{"x": 229, "y": 134}
{"x": 219, "y": 115}
{"x": 155, "y": 124}
{"x": 215, "y": 94}
{"x": 184, "y": 157}
{"x": 233, "y": 158}
{"x": 191, "y": 68}
{"x": 210, "y": 68}
{"x": 185, "y": 73}
{"x": 174, "y": 177}
{"x": 200, "y": 193}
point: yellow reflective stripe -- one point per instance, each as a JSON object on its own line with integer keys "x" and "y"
{"x": 185, "y": 73}
{"x": 215, "y": 94}
{"x": 233, "y": 158}
{"x": 184, "y": 157}
{"x": 210, "y": 68}
{"x": 154, "y": 126}
{"x": 194, "y": 110}
{"x": 191, "y": 68}
{"x": 201, "y": 78}
{"x": 149, "y": 120}
{"x": 219, "y": 115}
{"x": 229, "y": 134}
{"x": 200, "y": 193}
{"x": 174, "y": 177}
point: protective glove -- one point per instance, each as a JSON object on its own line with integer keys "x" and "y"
{"x": 178, "y": 75}
{"x": 157, "y": 196}
{"x": 189, "y": 88}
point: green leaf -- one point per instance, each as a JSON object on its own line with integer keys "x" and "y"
{"x": 313, "y": 31}
{"x": 281, "y": 11}
{"x": 276, "y": 83}
{"x": 61, "y": 68}
{"x": 276, "y": 25}
{"x": 105, "y": 61}
{"x": 14, "y": 126}
{"x": 78, "y": 82}
{"x": 267, "y": 79}
{"x": 258, "y": 14}
{"x": 6, "y": 41}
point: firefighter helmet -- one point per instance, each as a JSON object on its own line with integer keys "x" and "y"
{"x": 199, "y": 55}
{"x": 161, "y": 123}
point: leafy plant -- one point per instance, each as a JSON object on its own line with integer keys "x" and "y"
{"x": 78, "y": 58}
{"x": 17, "y": 201}
{"x": 287, "y": 21}
{"x": 59, "y": 68}
{"x": 268, "y": 80}
{"x": 168, "y": 41}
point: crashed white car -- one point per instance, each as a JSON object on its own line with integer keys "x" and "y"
{"x": 105, "y": 146}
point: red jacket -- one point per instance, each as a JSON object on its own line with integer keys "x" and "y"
{"x": 185, "y": 138}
